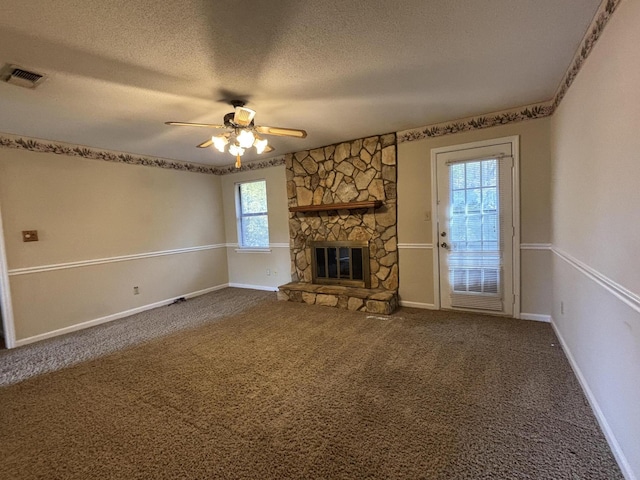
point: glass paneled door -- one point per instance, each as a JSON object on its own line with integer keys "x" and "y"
{"x": 476, "y": 228}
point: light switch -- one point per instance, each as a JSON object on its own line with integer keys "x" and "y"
{"x": 29, "y": 235}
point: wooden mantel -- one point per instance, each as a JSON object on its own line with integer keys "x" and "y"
{"x": 337, "y": 206}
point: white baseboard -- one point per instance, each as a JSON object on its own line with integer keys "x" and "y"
{"x": 425, "y": 306}
{"x": 602, "y": 421}
{"x": 114, "y": 316}
{"x": 200, "y": 292}
{"x": 536, "y": 317}
{"x": 254, "y": 287}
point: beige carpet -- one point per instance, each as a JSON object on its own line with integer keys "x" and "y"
{"x": 276, "y": 390}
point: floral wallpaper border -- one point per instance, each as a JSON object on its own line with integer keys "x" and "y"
{"x": 255, "y": 165}
{"x": 594, "y": 31}
{"x": 528, "y": 112}
{"x": 475, "y": 123}
{"x": 43, "y": 146}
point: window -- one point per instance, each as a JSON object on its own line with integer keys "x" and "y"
{"x": 474, "y": 260}
{"x": 253, "y": 220}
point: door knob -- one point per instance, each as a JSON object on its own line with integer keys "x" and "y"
{"x": 443, "y": 234}
{"x": 444, "y": 245}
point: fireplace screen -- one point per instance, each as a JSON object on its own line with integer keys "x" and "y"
{"x": 341, "y": 263}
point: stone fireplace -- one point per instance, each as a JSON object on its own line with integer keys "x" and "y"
{"x": 344, "y": 194}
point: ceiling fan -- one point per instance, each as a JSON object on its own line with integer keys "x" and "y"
{"x": 241, "y": 132}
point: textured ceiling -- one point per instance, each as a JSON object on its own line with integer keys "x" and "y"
{"x": 118, "y": 69}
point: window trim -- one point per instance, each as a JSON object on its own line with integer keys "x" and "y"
{"x": 239, "y": 216}
{"x": 252, "y": 249}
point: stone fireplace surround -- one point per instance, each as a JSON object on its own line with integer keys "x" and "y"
{"x": 343, "y": 175}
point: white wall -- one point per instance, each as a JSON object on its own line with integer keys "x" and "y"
{"x": 87, "y": 210}
{"x": 250, "y": 269}
{"x": 414, "y": 203}
{"x": 595, "y": 153}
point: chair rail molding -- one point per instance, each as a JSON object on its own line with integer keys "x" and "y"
{"x": 415, "y": 246}
{"x": 627, "y": 296}
{"x": 100, "y": 261}
{"x": 535, "y": 246}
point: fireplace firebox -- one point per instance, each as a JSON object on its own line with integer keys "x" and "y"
{"x": 341, "y": 263}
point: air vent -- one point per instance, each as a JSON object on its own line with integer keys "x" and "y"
{"x": 21, "y": 77}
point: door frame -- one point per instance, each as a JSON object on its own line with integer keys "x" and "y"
{"x": 5, "y": 294}
{"x": 515, "y": 181}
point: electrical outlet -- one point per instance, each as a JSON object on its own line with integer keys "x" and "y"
{"x": 29, "y": 235}
{"x": 427, "y": 216}
{"x": 136, "y": 290}
{"x": 268, "y": 272}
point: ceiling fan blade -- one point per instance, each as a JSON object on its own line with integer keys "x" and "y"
{"x": 206, "y": 144}
{"x": 283, "y": 132}
{"x": 243, "y": 116}
{"x": 187, "y": 124}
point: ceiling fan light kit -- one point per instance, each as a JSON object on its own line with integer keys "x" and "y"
{"x": 220, "y": 142}
{"x": 260, "y": 144}
{"x": 243, "y": 134}
{"x": 246, "y": 138}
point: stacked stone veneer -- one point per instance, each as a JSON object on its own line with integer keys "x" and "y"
{"x": 360, "y": 170}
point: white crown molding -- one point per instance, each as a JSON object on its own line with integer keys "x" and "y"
{"x": 101, "y": 261}
{"x": 620, "y": 292}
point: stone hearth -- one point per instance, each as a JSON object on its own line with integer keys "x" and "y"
{"x": 371, "y": 300}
